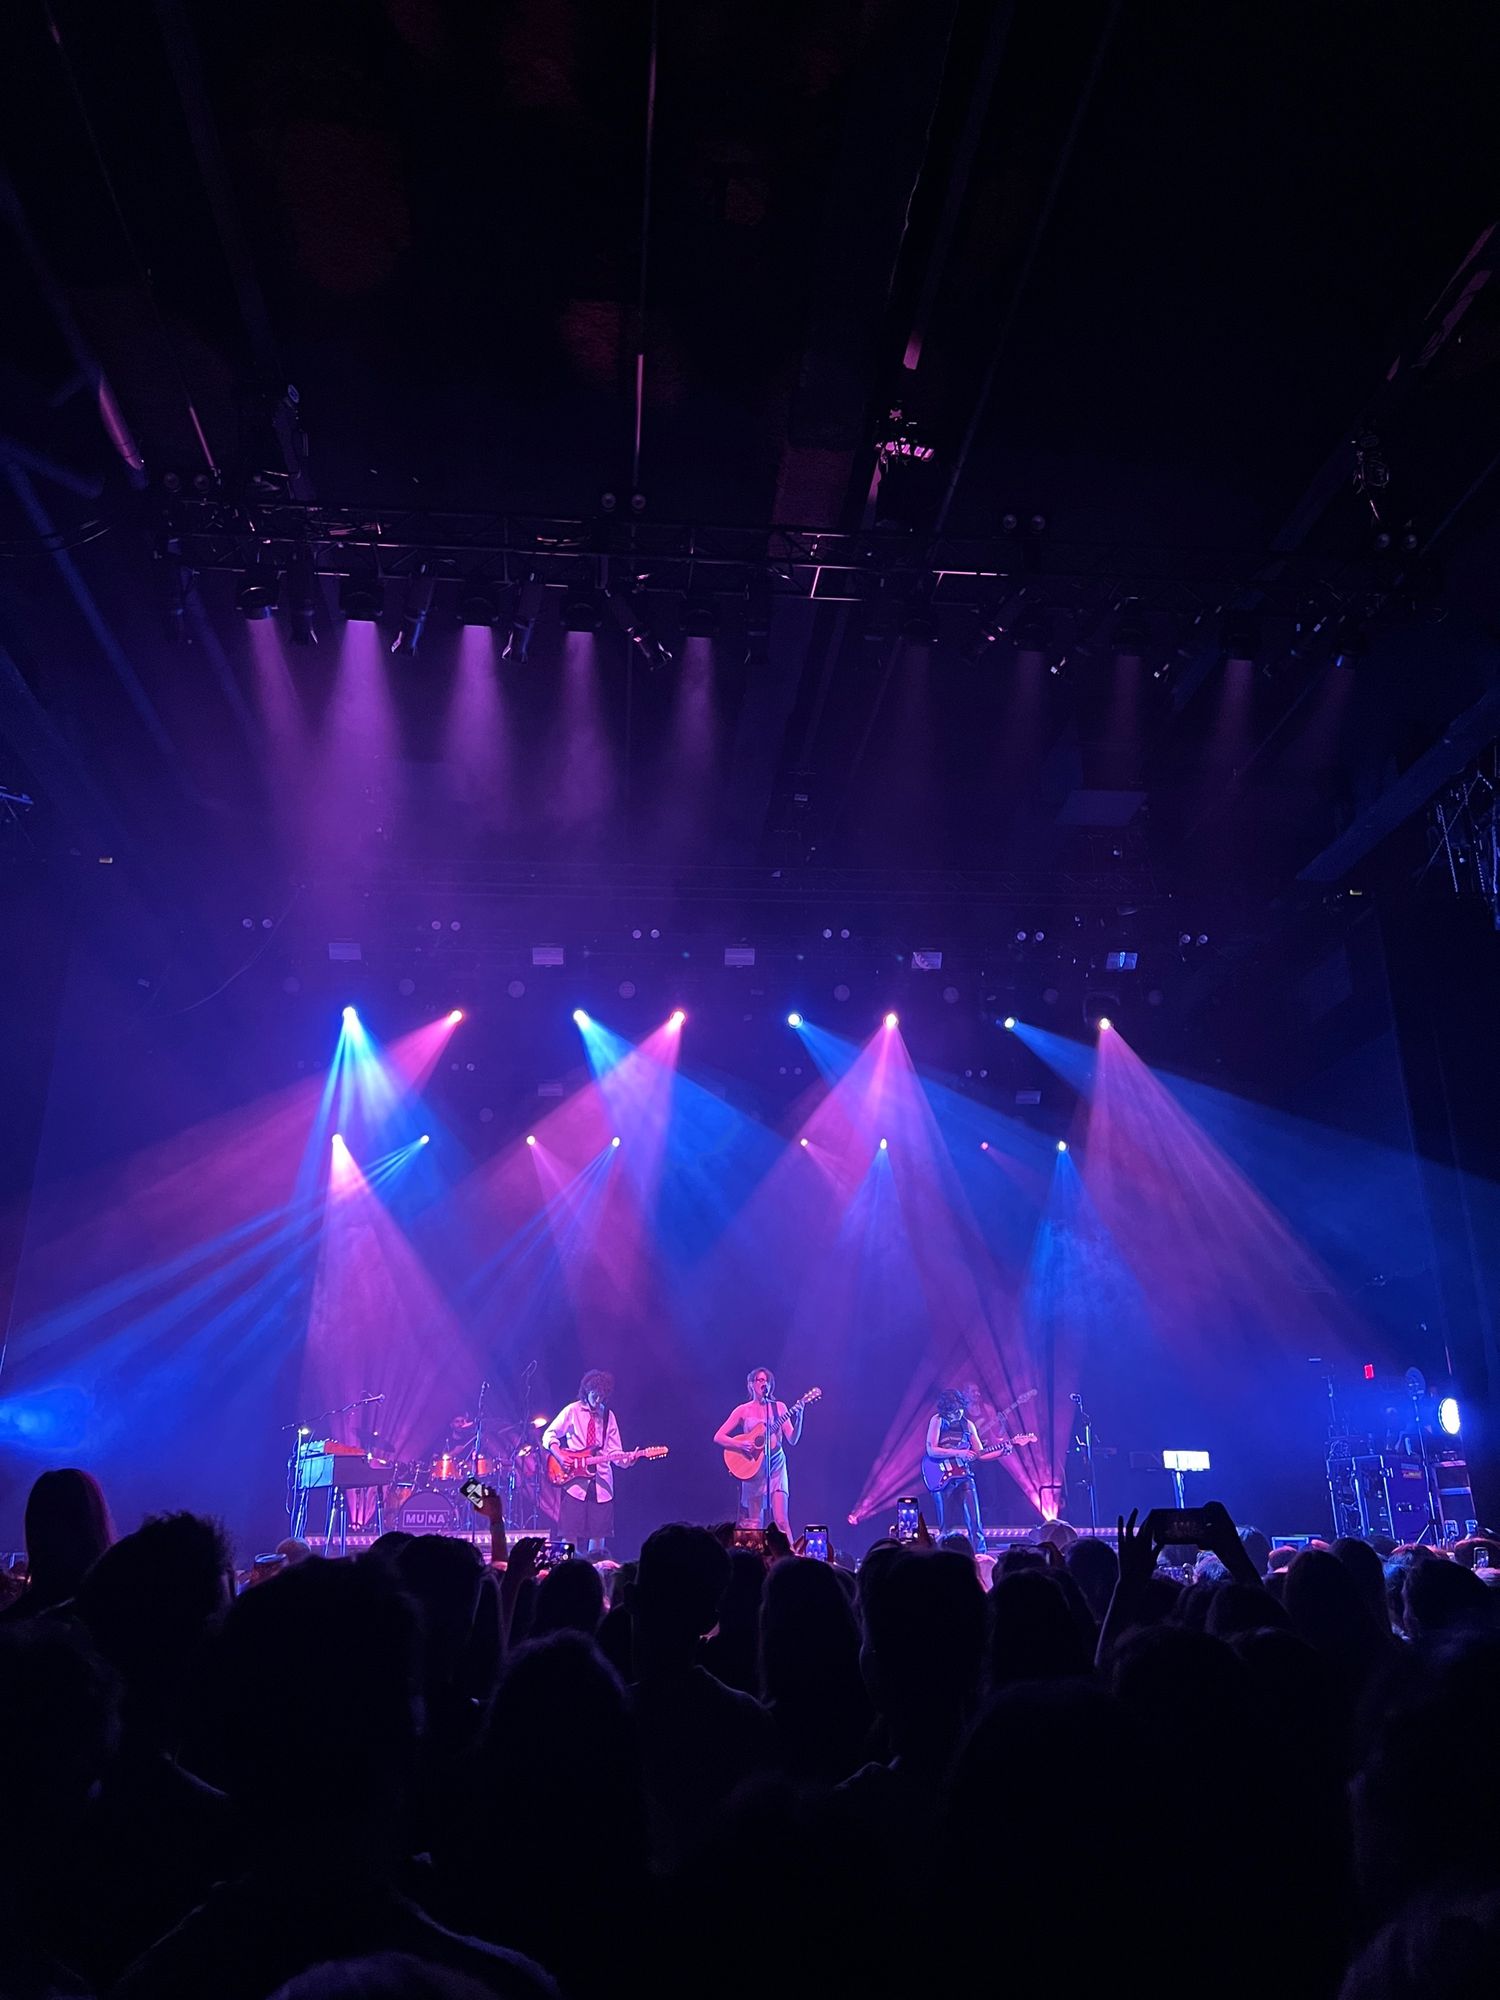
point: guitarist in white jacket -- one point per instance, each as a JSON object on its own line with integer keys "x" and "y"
{"x": 586, "y": 1514}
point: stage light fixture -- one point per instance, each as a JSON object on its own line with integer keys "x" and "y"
{"x": 1105, "y": 1024}
{"x": 361, "y": 599}
{"x": 1241, "y": 640}
{"x": 415, "y": 612}
{"x": 425, "y": 1140}
{"x": 794, "y": 1020}
{"x": 631, "y": 616}
{"x": 893, "y": 1020}
{"x": 456, "y": 1014}
{"x": 984, "y": 1145}
{"x": 581, "y": 611}
{"x": 350, "y": 1015}
{"x": 523, "y": 619}
{"x": 700, "y": 615}
{"x": 580, "y": 1017}
{"x": 1010, "y": 1021}
{"x": 616, "y": 1140}
{"x": 801, "y": 1142}
{"x": 258, "y": 591}
{"x": 481, "y": 601}
{"x": 302, "y": 596}
{"x": 531, "y": 1138}
{"x": 1062, "y": 1145}
{"x": 885, "y": 1145}
{"x": 676, "y": 1018}
{"x": 1449, "y": 1417}
{"x": 1132, "y": 630}
{"x": 1032, "y": 631}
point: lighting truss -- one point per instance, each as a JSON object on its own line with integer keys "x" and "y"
{"x": 211, "y": 532}
{"x": 1463, "y": 835}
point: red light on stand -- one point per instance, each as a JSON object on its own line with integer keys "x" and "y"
{"x": 1369, "y": 1371}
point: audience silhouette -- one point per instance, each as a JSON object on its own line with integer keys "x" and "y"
{"x": 415, "y": 1775}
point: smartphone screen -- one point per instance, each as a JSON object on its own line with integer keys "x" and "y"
{"x": 1180, "y": 1525}
{"x": 472, "y": 1489}
{"x": 815, "y": 1543}
{"x": 906, "y": 1520}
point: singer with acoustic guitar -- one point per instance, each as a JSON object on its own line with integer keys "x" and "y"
{"x": 755, "y": 1438}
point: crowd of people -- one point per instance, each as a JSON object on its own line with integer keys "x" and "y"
{"x": 1082, "y": 1766}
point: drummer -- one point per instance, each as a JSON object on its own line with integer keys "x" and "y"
{"x": 455, "y": 1459}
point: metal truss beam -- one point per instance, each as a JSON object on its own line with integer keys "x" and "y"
{"x": 820, "y": 566}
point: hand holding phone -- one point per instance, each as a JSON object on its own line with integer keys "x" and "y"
{"x": 815, "y": 1542}
{"x": 908, "y": 1519}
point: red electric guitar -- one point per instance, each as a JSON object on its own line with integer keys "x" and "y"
{"x": 565, "y": 1468}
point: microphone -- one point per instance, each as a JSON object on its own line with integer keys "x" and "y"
{"x": 1075, "y": 1397}
{"x": 374, "y": 1399}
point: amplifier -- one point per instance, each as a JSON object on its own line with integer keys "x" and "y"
{"x": 1395, "y": 1496}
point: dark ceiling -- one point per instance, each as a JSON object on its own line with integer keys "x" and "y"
{"x": 1148, "y": 271}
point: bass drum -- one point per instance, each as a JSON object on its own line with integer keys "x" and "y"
{"x": 429, "y": 1513}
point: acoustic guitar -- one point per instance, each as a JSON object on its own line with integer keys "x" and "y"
{"x": 566, "y": 1468}
{"x": 747, "y": 1455}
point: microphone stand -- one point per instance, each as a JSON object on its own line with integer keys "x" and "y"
{"x": 769, "y": 1513}
{"x": 1084, "y": 1439}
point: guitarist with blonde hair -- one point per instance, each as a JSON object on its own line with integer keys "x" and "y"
{"x": 763, "y": 1429}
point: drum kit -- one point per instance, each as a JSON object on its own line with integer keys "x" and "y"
{"x": 426, "y": 1495}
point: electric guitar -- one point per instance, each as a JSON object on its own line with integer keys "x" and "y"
{"x": 938, "y": 1468}
{"x": 746, "y": 1455}
{"x": 566, "y": 1468}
